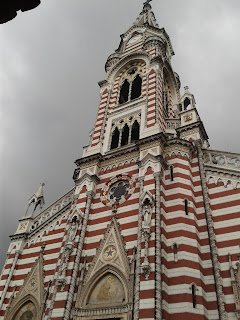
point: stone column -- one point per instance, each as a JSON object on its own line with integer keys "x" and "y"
{"x": 9, "y": 278}
{"x": 158, "y": 276}
{"x": 67, "y": 311}
{"x": 138, "y": 256}
{"x": 212, "y": 239}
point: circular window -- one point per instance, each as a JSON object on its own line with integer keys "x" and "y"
{"x": 117, "y": 190}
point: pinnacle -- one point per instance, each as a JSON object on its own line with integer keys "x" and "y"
{"x": 146, "y": 16}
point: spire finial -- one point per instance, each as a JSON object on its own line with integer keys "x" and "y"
{"x": 147, "y": 3}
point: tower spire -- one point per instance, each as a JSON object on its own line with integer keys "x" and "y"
{"x": 147, "y": 16}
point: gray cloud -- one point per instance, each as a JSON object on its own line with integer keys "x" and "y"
{"x": 51, "y": 59}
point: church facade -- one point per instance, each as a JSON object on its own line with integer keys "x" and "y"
{"x": 151, "y": 229}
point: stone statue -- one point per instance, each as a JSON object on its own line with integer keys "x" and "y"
{"x": 147, "y": 213}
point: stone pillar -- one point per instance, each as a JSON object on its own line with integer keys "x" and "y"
{"x": 212, "y": 241}
{"x": 138, "y": 256}
{"x": 9, "y": 279}
{"x": 158, "y": 276}
{"x": 67, "y": 312}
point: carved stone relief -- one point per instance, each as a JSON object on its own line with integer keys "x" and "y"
{"x": 30, "y": 300}
{"x": 107, "y": 286}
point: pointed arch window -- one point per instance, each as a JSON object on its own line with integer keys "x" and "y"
{"x": 135, "y": 131}
{"x": 124, "y": 92}
{"x": 125, "y": 131}
{"x": 115, "y": 138}
{"x": 186, "y": 103}
{"x": 131, "y": 85}
{"x": 136, "y": 87}
{"x": 125, "y": 135}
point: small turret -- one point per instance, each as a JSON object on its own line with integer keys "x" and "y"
{"x": 36, "y": 199}
{"x": 191, "y": 127}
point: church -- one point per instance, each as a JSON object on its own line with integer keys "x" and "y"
{"x": 151, "y": 229}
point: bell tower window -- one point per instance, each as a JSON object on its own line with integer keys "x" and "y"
{"x": 187, "y": 102}
{"x": 135, "y": 131}
{"x": 125, "y": 135}
{"x": 131, "y": 84}
{"x": 136, "y": 87}
{"x": 125, "y": 130}
{"x": 115, "y": 138}
{"x": 124, "y": 92}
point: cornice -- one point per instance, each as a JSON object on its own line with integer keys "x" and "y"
{"x": 194, "y": 125}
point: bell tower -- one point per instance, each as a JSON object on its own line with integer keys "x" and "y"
{"x": 137, "y": 166}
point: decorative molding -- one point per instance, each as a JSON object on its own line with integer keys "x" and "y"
{"x": 111, "y": 258}
{"x": 235, "y": 281}
{"x": 147, "y": 203}
{"x": 212, "y": 238}
{"x": 52, "y": 211}
{"x": 121, "y": 177}
{"x": 32, "y": 290}
{"x": 223, "y": 166}
{"x": 138, "y": 255}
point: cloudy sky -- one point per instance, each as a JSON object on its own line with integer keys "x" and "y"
{"x": 51, "y": 59}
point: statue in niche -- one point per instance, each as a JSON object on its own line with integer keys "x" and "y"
{"x": 73, "y": 229}
{"x": 147, "y": 213}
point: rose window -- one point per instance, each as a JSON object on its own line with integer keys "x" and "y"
{"x": 118, "y": 190}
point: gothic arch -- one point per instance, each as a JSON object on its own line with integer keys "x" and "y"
{"x": 131, "y": 59}
{"x": 27, "y": 299}
{"x": 108, "y": 270}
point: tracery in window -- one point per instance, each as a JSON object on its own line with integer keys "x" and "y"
{"x": 125, "y": 131}
{"x": 131, "y": 84}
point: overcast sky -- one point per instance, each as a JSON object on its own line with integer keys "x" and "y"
{"x": 51, "y": 59}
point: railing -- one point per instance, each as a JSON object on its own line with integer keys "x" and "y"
{"x": 53, "y": 209}
{"x": 222, "y": 159}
